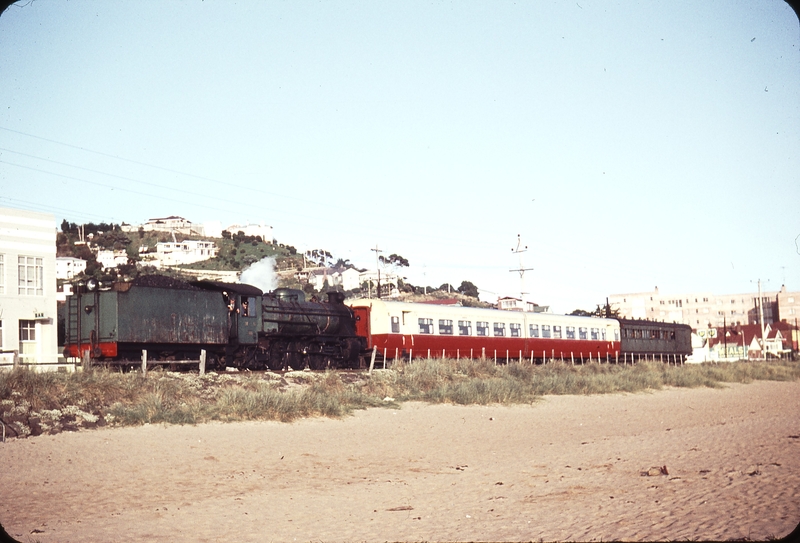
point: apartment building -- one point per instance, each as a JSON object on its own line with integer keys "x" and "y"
{"x": 28, "y": 317}
{"x": 703, "y": 309}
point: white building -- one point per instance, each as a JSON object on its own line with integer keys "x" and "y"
{"x": 180, "y": 253}
{"x": 28, "y": 315}
{"x": 697, "y": 309}
{"x": 509, "y": 303}
{"x": 68, "y": 267}
{"x": 169, "y": 224}
{"x": 351, "y": 279}
{"x": 111, "y": 259}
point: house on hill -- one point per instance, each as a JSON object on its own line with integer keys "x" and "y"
{"x": 509, "y": 303}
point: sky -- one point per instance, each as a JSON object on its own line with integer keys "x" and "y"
{"x": 623, "y": 145}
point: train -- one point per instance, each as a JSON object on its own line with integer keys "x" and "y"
{"x": 240, "y": 326}
{"x": 396, "y": 329}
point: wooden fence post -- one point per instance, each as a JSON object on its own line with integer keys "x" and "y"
{"x": 202, "y": 361}
{"x": 372, "y": 359}
{"x": 144, "y": 362}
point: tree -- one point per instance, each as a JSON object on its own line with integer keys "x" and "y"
{"x": 468, "y": 289}
{"x": 582, "y": 313}
{"x": 394, "y": 260}
{"x": 605, "y": 310}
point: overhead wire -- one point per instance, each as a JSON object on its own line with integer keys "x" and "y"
{"x": 474, "y": 243}
{"x": 391, "y": 232}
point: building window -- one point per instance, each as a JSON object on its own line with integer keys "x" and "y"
{"x": 395, "y": 325}
{"x": 31, "y": 272}
{"x": 516, "y": 329}
{"x": 570, "y": 332}
{"x": 482, "y": 328}
{"x": 499, "y": 329}
{"x": 425, "y": 326}
{"x": 27, "y": 331}
{"x": 557, "y": 332}
{"x": 464, "y": 328}
{"x": 533, "y": 330}
{"x": 446, "y": 327}
{"x": 545, "y": 330}
{"x": 2, "y": 275}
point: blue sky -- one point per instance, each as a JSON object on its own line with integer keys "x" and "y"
{"x": 629, "y": 144}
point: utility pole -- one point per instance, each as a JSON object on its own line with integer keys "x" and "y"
{"x": 521, "y": 269}
{"x": 761, "y": 321}
{"x": 377, "y": 267}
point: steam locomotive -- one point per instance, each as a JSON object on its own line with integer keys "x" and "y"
{"x": 240, "y": 326}
{"x": 236, "y": 324}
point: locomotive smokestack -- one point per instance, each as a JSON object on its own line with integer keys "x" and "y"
{"x": 335, "y": 298}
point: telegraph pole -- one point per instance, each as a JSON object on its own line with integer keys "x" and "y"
{"x": 377, "y": 267}
{"x": 761, "y": 321}
{"x": 521, "y": 269}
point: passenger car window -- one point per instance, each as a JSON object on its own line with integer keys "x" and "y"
{"x": 446, "y": 327}
{"x": 425, "y": 326}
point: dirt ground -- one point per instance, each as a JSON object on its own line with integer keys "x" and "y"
{"x": 674, "y": 464}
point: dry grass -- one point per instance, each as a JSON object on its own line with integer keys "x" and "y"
{"x": 187, "y": 398}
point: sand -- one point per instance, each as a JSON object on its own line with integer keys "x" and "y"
{"x": 566, "y": 468}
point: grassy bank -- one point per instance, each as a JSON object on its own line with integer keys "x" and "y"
{"x": 36, "y": 403}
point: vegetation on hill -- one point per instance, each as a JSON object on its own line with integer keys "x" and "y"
{"x": 237, "y": 251}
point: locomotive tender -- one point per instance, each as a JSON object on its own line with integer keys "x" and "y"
{"x": 240, "y": 326}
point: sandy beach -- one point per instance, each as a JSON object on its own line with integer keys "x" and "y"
{"x": 674, "y": 464}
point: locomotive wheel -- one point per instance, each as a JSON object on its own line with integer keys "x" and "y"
{"x": 319, "y": 362}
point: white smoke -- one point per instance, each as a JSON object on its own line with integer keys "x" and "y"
{"x": 261, "y": 274}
